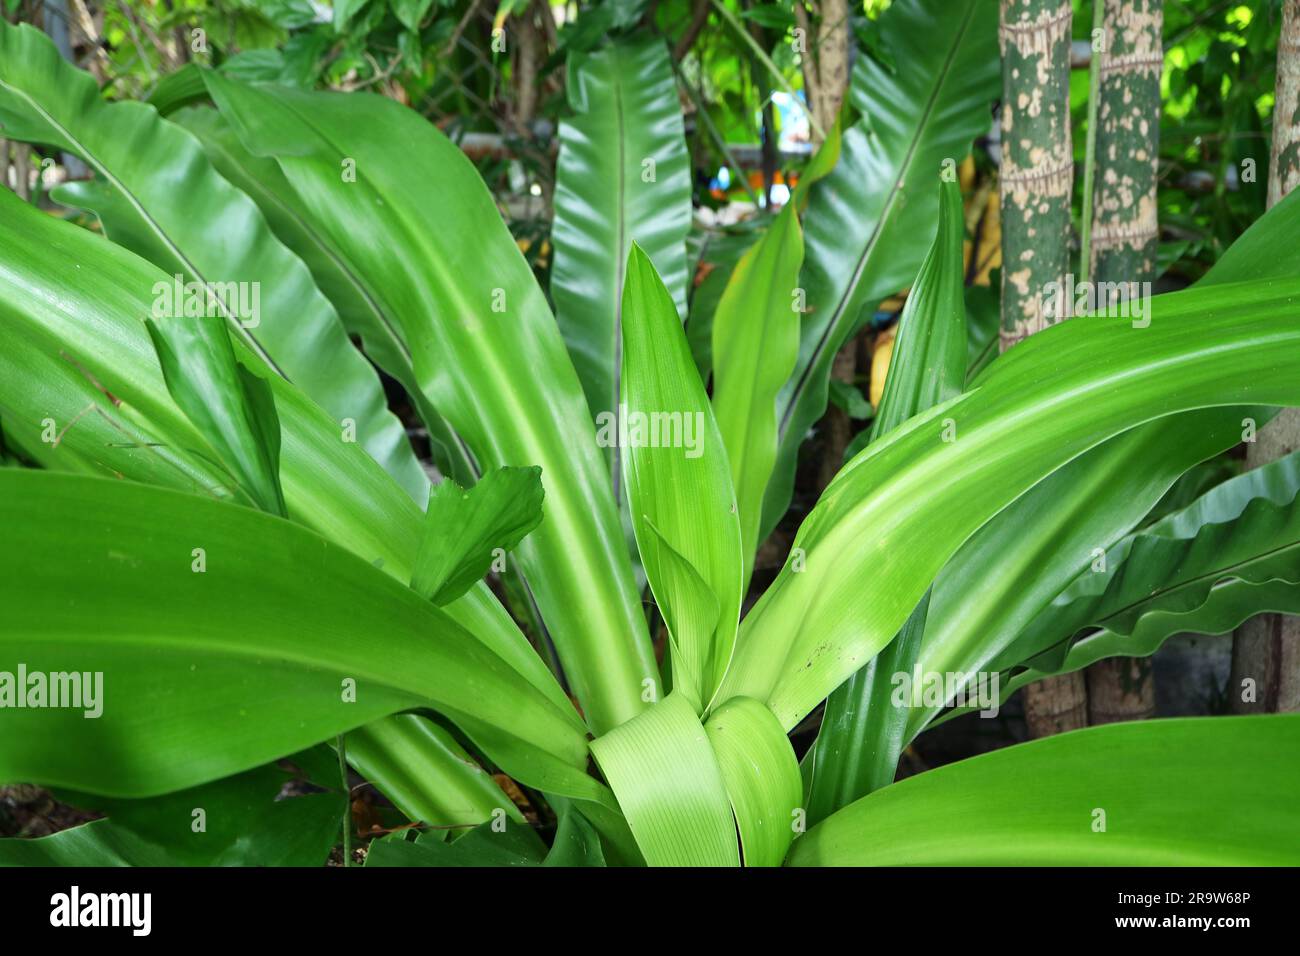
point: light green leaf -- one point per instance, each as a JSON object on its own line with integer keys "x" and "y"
{"x": 160, "y": 197}
{"x": 1049, "y": 536}
{"x": 678, "y": 484}
{"x": 232, "y": 408}
{"x": 361, "y": 313}
{"x": 485, "y": 349}
{"x": 863, "y": 733}
{"x": 1232, "y": 553}
{"x": 761, "y": 775}
{"x": 861, "y": 238}
{"x": 668, "y": 782}
{"x": 81, "y": 391}
{"x": 908, "y": 502}
{"x": 1199, "y": 792}
{"x": 464, "y": 530}
{"x": 755, "y": 342}
{"x": 265, "y": 637}
{"x": 417, "y": 765}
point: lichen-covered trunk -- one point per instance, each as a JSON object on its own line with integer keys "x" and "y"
{"x": 1266, "y": 649}
{"x": 1125, "y": 235}
{"x": 1284, "y": 167}
{"x": 1035, "y": 178}
{"x": 1125, "y": 228}
{"x": 1037, "y": 167}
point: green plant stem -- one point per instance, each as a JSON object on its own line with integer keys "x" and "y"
{"x": 347, "y": 800}
{"x": 733, "y": 21}
{"x": 1090, "y": 149}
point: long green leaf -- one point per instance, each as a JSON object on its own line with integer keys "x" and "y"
{"x": 663, "y": 770}
{"x": 160, "y": 197}
{"x": 863, "y": 733}
{"x": 1199, "y": 568}
{"x": 761, "y": 775}
{"x": 623, "y": 175}
{"x": 678, "y": 486}
{"x": 1052, "y": 534}
{"x": 396, "y": 755}
{"x": 234, "y": 637}
{"x": 421, "y": 230}
{"x": 755, "y": 343}
{"x": 861, "y": 240}
{"x": 362, "y": 314}
{"x": 1199, "y": 792}
{"x": 931, "y": 483}
{"x": 1047, "y": 536}
{"x": 81, "y": 390}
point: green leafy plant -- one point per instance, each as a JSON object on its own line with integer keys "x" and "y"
{"x": 224, "y": 522}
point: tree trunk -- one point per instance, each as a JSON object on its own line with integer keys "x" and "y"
{"x": 1266, "y": 649}
{"x": 832, "y": 61}
{"x": 1035, "y": 179}
{"x": 1037, "y": 161}
{"x": 1120, "y": 688}
{"x": 1125, "y": 229}
{"x": 1125, "y": 235}
{"x": 1284, "y": 166}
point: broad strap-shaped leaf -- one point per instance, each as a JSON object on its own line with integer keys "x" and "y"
{"x": 232, "y": 407}
{"x": 860, "y": 232}
{"x": 678, "y": 486}
{"x": 623, "y": 175}
{"x": 421, "y": 230}
{"x": 81, "y": 391}
{"x": 160, "y": 197}
{"x": 265, "y": 638}
{"x": 761, "y": 775}
{"x": 932, "y": 482}
{"x": 1192, "y": 792}
{"x": 863, "y": 733}
{"x": 715, "y": 255}
{"x": 928, "y": 365}
{"x": 465, "y": 530}
{"x": 1199, "y": 568}
{"x": 663, "y": 770}
{"x": 1050, "y": 534}
{"x": 363, "y": 315}
{"x": 1226, "y": 607}
{"x": 1042, "y": 541}
{"x": 755, "y": 343}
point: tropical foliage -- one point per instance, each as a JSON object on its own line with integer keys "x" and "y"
{"x": 544, "y": 629}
